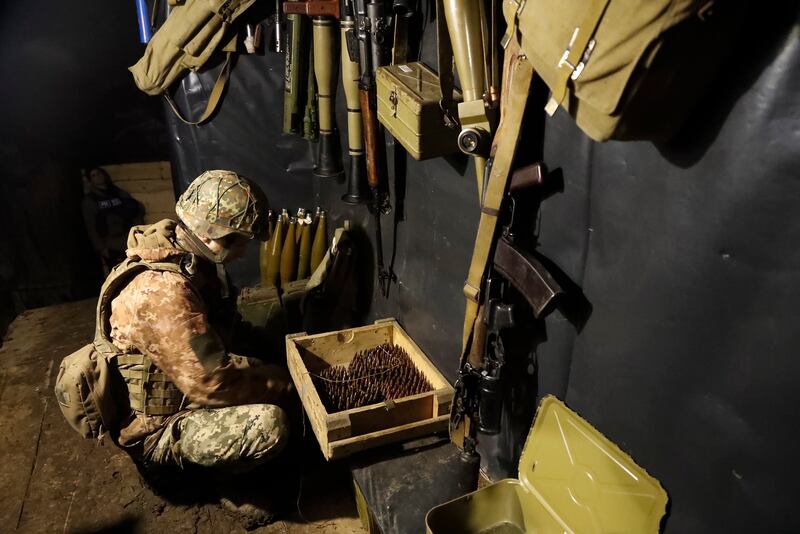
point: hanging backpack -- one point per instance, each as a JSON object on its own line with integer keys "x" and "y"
{"x": 624, "y": 69}
{"x": 193, "y": 31}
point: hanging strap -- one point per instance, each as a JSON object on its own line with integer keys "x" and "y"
{"x": 444, "y": 60}
{"x": 213, "y": 99}
{"x": 517, "y": 73}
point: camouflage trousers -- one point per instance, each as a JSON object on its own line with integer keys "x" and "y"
{"x": 236, "y": 438}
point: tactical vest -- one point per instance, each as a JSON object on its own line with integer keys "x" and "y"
{"x": 149, "y": 390}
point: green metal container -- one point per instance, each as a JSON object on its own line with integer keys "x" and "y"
{"x": 408, "y": 106}
{"x": 572, "y": 479}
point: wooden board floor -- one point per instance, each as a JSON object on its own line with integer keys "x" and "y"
{"x": 54, "y": 481}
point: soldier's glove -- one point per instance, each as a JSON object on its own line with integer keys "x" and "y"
{"x": 279, "y": 387}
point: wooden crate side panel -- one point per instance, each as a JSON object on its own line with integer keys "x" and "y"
{"x": 338, "y": 348}
{"x": 308, "y": 394}
{"x": 337, "y": 426}
{"x": 443, "y": 402}
{"x": 346, "y": 447}
{"x": 422, "y": 362}
{"x": 369, "y": 419}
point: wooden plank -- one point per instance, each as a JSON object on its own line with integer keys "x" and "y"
{"x": 152, "y": 170}
{"x": 163, "y": 207}
{"x": 339, "y": 348}
{"x": 156, "y": 201}
{"x": 346, "y": 447}
{"x": 162, "y": 187}
{"x": 338, "y": 426}
{"x": 396, "y": 413}
{"x": 154, "y": 217}
{"x": 307, "y": 392}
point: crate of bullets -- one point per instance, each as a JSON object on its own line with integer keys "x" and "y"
{"x": 368, "y": 386}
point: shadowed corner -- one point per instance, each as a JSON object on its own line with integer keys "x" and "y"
{"x": 741, "y": 68}
{"x": 126, "y": 525}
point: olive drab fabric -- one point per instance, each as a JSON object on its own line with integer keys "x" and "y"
{"x": 86, "y": 393}
{"x": 218, "y": 203}
{"x": 91, "y": 381}
{"x": 624, "y": 69}
{"x": 181, "y": 323}
{"x": 159, "y": 350}
{"x": 191, "y": 33}
{"x": 186, "y": 40}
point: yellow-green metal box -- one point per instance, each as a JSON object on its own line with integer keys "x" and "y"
{"x": 572, "y": 479}
{"x": 408, "y": 106}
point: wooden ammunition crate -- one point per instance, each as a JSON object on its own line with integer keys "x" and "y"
{"x": 343, "y": 433}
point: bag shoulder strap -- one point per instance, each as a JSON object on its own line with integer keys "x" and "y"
{"x": 213, "y": 99}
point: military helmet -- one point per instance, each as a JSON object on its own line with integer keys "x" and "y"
{"x": 219, "y": 203}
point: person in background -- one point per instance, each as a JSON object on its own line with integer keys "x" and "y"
{"x": 108, "y": 213}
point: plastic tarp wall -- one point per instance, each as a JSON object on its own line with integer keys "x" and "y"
{"x": 686, "y": 254}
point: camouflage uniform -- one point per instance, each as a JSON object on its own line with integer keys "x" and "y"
{"x": 170, "y": 318}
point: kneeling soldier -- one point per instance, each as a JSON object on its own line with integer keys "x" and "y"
{"x": 192, "y": 402}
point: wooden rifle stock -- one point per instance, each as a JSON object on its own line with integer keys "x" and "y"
{"x": 372, "y": 141}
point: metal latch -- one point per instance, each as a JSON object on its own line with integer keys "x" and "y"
{"x": 576, "y": 69}
{"x": 393, "y": 102}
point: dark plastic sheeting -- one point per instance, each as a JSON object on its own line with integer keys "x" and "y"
{"x": 687, "y": 255}
{"x": 437, "y": 209}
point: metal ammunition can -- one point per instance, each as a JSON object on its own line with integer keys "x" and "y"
{"x": 408, "y": 106}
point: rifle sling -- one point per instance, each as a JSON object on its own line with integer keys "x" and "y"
{"x": 517, "y": 83}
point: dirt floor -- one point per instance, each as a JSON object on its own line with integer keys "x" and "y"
{"x": 54, "y": 481}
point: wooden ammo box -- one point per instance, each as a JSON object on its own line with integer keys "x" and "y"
{"x": 571, "y": 479}
{"x": 408, "y": 106}
{"x": 343, "y": 433}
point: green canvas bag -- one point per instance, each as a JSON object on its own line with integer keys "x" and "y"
{"x": 624, "y": 69}
{"x": 186, "y": 40}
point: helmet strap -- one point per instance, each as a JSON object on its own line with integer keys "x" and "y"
{"x": 196, "y": 245}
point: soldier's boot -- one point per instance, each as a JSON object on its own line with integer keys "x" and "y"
{"x": 252, "y": 510}
{"x": 262, "y": 495}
